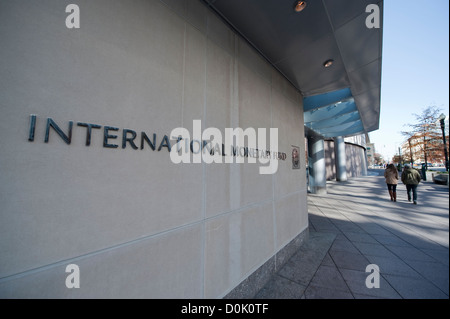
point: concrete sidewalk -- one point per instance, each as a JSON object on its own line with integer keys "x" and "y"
{"x": 355, "y": 225}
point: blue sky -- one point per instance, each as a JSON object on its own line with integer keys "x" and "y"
{"x": 415, "y": 67}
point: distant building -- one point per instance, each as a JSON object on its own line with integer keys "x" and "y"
{"x": 370, "y": 151}
{"x": 413, "y": 148}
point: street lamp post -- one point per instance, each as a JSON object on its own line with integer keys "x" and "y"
{"x": 442, "y": 120}
{"x": 410, "y": 151}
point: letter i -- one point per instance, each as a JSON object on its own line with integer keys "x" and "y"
{"x": 32, "y": 128}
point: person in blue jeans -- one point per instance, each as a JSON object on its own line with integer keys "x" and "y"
{"x": 411, "y": 178}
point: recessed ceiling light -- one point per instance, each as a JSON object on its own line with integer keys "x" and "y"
{"x": 328, "y": 63}
{"x": 299, "y": 6}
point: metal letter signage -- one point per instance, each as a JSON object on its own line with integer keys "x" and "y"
{"x": 209, "y": 143}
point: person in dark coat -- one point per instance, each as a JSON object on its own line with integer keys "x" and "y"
{"x": 411, "y": 178}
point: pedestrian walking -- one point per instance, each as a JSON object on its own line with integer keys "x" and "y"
{"x": 391, "y": 176}
{"x": 411, "y": 178}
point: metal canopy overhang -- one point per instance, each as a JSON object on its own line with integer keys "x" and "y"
{"x": 341, "y": 100}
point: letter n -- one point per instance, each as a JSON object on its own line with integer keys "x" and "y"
{"x": 66, "y": 138}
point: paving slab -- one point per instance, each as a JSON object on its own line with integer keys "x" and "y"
{"x": 295, "y": 275}
{"x": 344, "y": 245}
{"x": 281, "y": 288}
{"x": 393, "y": 266}
{"x": 409, "y": 253}
{"x": 356, "y": 281}
{"x": 329, "y": 277}
{"x": 315, "y": 292}
{"x": 440, "y": 255}
{"x": 360, "y": 237}
{"x": 415, "y": 288}
{"x": 347, "y": 260}
{"x": 390, "y": 239}
{"x": 437, "y": 273}
{"x": 373, "y": 249}
{"x": 327, "y": 261}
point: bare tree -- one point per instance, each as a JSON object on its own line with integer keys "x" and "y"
{"x": 378, "y": 159}
{"x": 424, "y": 135}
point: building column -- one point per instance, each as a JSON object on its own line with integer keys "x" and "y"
{"x": 341, "y": 159}
{"x": 317, "y": 178}
{"x": 365, "y": 164}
